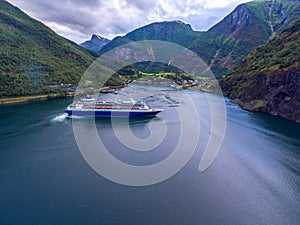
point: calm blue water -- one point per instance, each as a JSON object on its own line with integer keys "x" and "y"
{"x": 255, "y": 178}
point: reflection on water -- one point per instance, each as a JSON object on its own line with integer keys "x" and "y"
{"x": 276, "y": 125}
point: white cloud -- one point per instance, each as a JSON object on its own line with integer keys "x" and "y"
{"x": 71, "y": 34}
{"x": 213, "y": 4}
{"x": 78, "y": 20}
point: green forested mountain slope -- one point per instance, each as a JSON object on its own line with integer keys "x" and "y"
{"x": 33, "y": 58}
{"x": 171, "y": 31}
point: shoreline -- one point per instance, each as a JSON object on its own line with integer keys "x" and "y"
{"x": 30, "y": 98}
{"x": 23, "y": 99}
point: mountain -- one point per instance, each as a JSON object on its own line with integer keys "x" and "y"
{"x": 250, "y": 25}
{"x": 96, "y": 43}
{"x": 172, "y": 31}
{"x": 224, "y": 45}
{"x": 268, "y": 79}
{"x": 33, "y": 59}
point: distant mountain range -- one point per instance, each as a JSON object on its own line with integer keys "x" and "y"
{"x": 96, "y": 43}
{"x": 224, "y": 45}
{"x": 268, "y": 79}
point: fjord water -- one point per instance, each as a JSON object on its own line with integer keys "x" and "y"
{"x": 44, "y": 179}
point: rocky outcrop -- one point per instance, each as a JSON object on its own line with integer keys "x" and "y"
{"x": 278, "y": 95}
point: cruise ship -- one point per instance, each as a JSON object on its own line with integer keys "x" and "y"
{"x": 91, "y": 107}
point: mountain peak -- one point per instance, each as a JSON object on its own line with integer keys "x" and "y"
{"x": 171, "y": 23}
{"x": 96, "y": 43}
{"x": 98, "y": 37}
{"x": 173, "y": 31}
{"x": 179, "y": 22}
{"x": 269, "y": 16}
{"x": 174, "y": 22}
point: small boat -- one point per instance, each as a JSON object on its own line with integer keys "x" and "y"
{"x": 91, "y": 107}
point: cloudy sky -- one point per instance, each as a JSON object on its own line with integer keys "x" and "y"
{"x": 77, "y": 20}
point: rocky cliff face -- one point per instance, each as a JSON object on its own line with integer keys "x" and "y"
{"x": 239, "y": 24}
{"x": 268, "y": 79}
{"x": 278, "y": 95}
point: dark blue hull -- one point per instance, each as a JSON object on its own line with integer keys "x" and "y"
{"x": 107, "y": 113}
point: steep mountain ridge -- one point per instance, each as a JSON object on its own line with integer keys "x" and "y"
{"x": 172, "y": 31}
{"x": 33, "y": 59}
{"x": 250, "y": 25}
